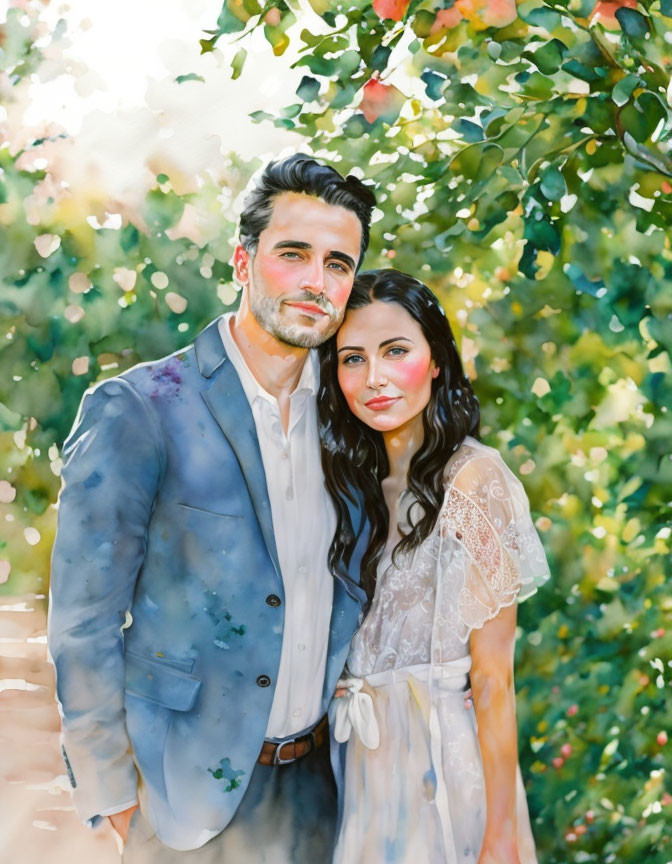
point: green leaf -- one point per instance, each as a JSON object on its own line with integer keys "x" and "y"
{"x": 355, "y": 126}
{"x": 434, "y": 84}
{"x": 192, "y": 76}
{"x": 308, "y": 89}
{"x": 259, "y": 116}
{"x": 471, "y": 132}
{"x": 634, "y": 24}
{"x": 548, "y": 58}
{"x": 624, "y": 88}
{"x": 553, "y": 184}
{"x": 237, "y": 63}
{"x": 423, "y": 21}
{"x": 232, "y": 19}
{"x": 379, "y": 58}
{"x": 344, "y": 97}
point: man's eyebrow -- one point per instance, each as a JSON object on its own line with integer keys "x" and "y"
{"x": 341, "y": 256}
{"x": 292, "y": 244}
{"x": 382, "y": 344}
{"x": 301, "y": 244}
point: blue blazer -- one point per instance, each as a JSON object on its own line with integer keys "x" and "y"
{"x": 164, "y": 626}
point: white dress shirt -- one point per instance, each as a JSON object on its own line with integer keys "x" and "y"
{"x": 304, "y": 522}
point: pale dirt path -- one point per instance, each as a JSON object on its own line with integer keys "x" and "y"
{"x": 38, "y": 824}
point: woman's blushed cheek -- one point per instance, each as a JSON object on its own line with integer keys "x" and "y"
{"x": 413, "y": 372}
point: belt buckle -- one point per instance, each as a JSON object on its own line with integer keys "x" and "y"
{"x": 277, "y": 758}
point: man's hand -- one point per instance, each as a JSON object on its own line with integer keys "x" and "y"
{"x": 121, "y": 821}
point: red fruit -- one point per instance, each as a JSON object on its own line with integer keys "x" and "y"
{"x": 590, "y": 816}
{"x": 446, "y": 19}
{"x": 580, "y": 829}
{"x": 605, "y": 11}
{"x": 557, "y": 762}
{"x": 572, "y": 710}
{"x": 380, "y": 101}
{"x": 390, "y": 9}
{"x": 566, "y": 750}
{"x": 661, "y": 738}
{"x": 488, "y": 13}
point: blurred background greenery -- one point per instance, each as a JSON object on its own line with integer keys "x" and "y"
{"x": 521, "y": 159}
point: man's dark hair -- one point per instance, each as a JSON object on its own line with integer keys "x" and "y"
{"x": 302, "y": 174}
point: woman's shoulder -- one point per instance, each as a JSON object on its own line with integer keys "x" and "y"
{"x": 473, "y": 461}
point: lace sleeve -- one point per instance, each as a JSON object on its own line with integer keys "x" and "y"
{"x": 486, "y": 513}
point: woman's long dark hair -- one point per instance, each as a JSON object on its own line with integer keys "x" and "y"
{"x": 353, "y": 455}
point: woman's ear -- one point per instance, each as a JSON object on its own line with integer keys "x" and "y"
{"x": 435, "y": 371}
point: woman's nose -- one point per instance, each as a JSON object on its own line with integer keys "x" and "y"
{"x": 376, "y": 378}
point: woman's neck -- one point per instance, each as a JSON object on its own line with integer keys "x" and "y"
{"x": 401, "y": 445}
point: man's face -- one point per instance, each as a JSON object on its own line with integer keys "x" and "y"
{"x": 300, "y": 277}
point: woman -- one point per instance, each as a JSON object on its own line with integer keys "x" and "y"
{"x": 451, "y": 547}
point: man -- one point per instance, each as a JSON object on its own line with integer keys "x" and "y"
{"x": 196, "y": 631}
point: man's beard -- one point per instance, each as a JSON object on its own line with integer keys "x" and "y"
{"x": 268, "y": 313}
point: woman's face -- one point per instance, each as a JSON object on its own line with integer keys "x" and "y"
{"x": 385, "y": 366}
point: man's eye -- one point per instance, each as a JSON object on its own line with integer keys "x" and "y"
{"x": 338, "y": 266}
{"x": 290, "y": 255}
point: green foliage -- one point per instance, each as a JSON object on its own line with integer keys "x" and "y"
{"x": 522, "y": 170}
{"x": 529, "y": 184}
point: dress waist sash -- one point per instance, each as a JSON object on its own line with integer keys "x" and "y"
{"x": 355, "y": 711}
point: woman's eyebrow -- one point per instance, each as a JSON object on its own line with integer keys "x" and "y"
{"x": 395, "y": 339}
{"x": 382, "y": 344}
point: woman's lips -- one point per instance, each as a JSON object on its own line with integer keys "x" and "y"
{"x": 380, "y": 402}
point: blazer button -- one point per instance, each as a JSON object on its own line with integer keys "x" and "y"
{"x": 273, "y": 600}
{"x": 263, "y": 680}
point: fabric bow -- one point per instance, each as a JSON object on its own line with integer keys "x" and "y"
{"x": 355, "y": 711}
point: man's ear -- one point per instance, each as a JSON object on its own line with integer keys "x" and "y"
{"x": 241, "y": 264}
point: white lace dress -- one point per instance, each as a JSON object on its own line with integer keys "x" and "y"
{"x": 413, "y": 788}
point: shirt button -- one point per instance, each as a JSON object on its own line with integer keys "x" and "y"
{"x": 263, "y": 681}
{"x": 301, "y": 646}
{"x": 297, "y": 712}
{"x": 289, "y": 494}
{"x": 285, "y": 454}
{"x": 302, "y": 570}
{"x": 273, "y": 600}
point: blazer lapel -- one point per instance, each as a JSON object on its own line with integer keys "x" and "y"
{"x": 228, "y": 404}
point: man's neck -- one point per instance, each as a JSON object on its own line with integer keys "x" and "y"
{"x": 276, "y": 366}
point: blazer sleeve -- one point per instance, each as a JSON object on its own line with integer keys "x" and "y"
{"x": 112, "y": 464}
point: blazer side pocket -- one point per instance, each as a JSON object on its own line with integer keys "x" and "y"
{"x": 160, "y": 683}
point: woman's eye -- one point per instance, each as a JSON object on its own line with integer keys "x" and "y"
{"x": 353, "y": 359}
{"x": 397, "y": 351}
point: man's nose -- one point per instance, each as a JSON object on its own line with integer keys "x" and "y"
{"x": 376, "y": 377}
{"x": 313, "y": 278}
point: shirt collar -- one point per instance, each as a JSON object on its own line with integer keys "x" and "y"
{"x": 308, "y": 381}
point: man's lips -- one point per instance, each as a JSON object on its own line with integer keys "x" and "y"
{"x": 309, "y": 308}
{"x": 380, "y": 402}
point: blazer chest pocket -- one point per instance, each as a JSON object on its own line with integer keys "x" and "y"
{"x": 160, "y": 683}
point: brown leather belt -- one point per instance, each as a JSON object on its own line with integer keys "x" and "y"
{"x": 295, "y": 748}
